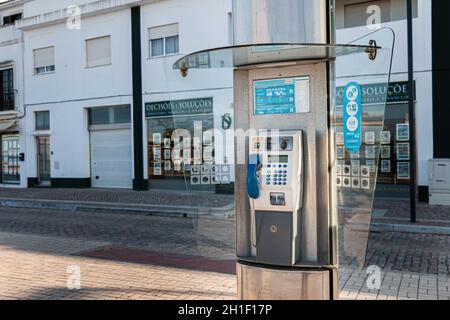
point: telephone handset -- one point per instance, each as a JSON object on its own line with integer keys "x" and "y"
{"x": 253, "y": 170}
{"x": 253, "y": 188}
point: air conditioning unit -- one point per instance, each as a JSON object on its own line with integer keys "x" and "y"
{"x": 439, "y": 174}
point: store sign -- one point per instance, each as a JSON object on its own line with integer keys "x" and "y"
{"x": 379, "y": 93}
{"x": 179, "y": 108}
{"x": 352, "y": 117}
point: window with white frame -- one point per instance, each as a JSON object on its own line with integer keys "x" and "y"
{"x": 164, "y": 40}
{"x": 98, "y": 52}
{"x": 44, "y": 60}
{"x": 42, "y": 120}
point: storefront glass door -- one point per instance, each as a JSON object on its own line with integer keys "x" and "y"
{"x": 44, "y": 160}
{"x": 10, "y": 159}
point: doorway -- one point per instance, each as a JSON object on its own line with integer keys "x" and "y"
{"x": 111, "y": 159}
{"x": 43, "y": 157}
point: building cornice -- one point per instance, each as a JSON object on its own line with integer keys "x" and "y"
{"x": 87, "y": 10}
{"x": 13, "y": 3}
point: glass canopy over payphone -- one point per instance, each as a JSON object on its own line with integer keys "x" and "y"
{"x": 259, "y": 54}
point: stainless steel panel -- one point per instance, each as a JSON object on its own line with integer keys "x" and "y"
{"x": 280, "y": 21}
{"x": 268, "y": 284}
{"x": 315, "y": 216}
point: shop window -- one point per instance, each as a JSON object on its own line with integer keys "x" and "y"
{"x": 183, "y": 148}
{"x": 43, "y": 120}
{"x": 385, "y": 151}
{"x": 395, "y": 150}
{"x": 10, "y": 159}
{"x": 109, "y": 115}
{"x": 10, "y": 20}
{"x": 44, "y": 60}
{"x": 164, "y": 40}
{"x": 98, "y": 52}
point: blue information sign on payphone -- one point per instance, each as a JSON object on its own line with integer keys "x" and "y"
{"x": 352, "y": 117}
{"x": 275, "y": 97}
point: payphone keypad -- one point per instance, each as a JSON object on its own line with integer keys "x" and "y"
{"x": 276, "y": 174}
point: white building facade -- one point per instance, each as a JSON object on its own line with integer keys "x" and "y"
{"x": 12, "y": 112}
{"x": 100, "y": 106}
{"x": 82, "y": 82}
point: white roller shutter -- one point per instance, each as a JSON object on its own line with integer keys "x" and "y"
{"x": 111, "y": 159}
{"x": 44, "y": 57}
{"x": 98, "y": 51}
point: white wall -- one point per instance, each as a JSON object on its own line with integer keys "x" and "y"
{"x": 203, "y": 24}
{"x": 423, "y": 74}
{"x": 69, "y": 137}
{"x": 72, "y": 80}
{"x": 73, "y": 88}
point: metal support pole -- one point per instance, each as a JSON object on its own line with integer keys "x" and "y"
{"x": 412, "y": 116}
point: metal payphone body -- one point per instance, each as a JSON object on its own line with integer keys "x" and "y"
{"x": 291, "y": 223}
{"x": 277, "y": 203}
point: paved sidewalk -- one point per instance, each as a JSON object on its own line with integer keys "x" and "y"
{"x": 394, "y": 285}
{"x": 154, "y": 202}
{"x": 40, "y": 249}
{"x": 30, "y": 274}
{"x": 203, "y": 237}
{"x": 43, "y": 275}
{"x": 396, "y": 211}
{"x": 121, "y": 196}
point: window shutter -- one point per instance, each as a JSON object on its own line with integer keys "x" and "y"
{"x": 44, "y": 57}
{"x": 170, "y": 30}
{"x": 98, "y": 51}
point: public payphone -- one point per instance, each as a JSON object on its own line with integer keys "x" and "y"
{"x": 285, "y": 116}
{"x": 275, "y": 189}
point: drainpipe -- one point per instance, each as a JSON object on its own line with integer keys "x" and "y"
{"x": 412, "y": 116}
{"x": 139, "y": 184}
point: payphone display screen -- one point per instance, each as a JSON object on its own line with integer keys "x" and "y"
{"x": 278, "y": 159}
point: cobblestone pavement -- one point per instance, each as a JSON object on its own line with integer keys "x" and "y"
{"x": 121, "y": 196}
{"x": 38, "y": 246}
{"x": 400, "y": 210}
{"x": 29, "y": 271}
{"x": 393, "y": 285}
{"x": 417, "y": 253}
{"x": 214, "y": 238}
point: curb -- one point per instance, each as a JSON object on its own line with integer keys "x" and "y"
{"x": 405, "y": 228}
{"x": 162, "y": 211}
